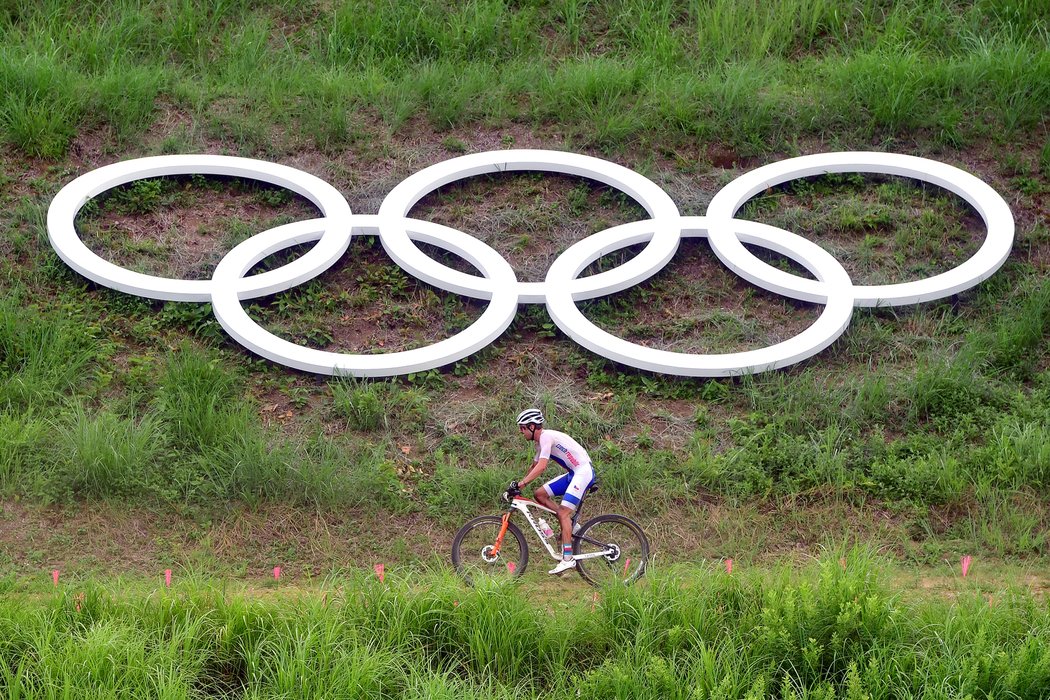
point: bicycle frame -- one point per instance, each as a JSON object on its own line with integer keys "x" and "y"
{"x": 523, "y": 506}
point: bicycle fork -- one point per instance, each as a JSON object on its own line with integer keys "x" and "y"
{"x": 502, "y": 532}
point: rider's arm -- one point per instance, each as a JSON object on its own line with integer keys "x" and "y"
{"x": 537, "y": 468}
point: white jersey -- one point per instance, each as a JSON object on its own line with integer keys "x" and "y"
{"x": 562, "y": 449}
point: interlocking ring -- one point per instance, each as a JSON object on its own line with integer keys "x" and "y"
{"x": 989, "y": 205}
{"x": 563, "y": 287}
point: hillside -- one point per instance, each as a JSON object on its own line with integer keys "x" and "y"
{"x": 136, "y": 433}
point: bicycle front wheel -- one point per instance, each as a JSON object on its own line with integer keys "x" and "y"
{"x": 610, "y": 549}
{"x": 474, "y": 550}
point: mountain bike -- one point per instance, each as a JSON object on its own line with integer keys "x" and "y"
{"x": 607, "y": 548}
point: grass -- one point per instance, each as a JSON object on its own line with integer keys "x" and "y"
{"x": 178, "y": 425}
{"x": 922, "y": 431}
{"x": 833, "y": 629}
{"x": 610, "y": 73}
{"x": 41, "y": 360}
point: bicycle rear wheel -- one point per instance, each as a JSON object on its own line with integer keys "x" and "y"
{"x": 624, "y": 548}
{"x": 473, "y": 545}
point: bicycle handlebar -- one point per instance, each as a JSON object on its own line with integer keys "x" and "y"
{"x": 511, "y": 492}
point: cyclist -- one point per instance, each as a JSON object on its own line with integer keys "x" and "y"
{"x": 571, "y": 486}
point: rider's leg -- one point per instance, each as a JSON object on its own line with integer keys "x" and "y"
{"x": 577, "y": 488}
{"x": 555, "y": 487}
{"x": 565, "y": 518}
{"x": 564, "y": 514}
{"x": 544, "y": 498}
{"x": 570, "y": 501}
{"x": 567, "y": 562}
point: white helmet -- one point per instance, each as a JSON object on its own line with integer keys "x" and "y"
{"x": 530, "y": 415}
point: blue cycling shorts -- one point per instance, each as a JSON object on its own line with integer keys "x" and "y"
{"x": 571, "y": 486}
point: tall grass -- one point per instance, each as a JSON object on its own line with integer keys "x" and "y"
{"x": 108, "y": 454}
{"x": 199, "y": 399}
{"x": 939, "y": 418}
{"x": 198, "y": 440}
{"x": 834, "y": 630}
{"x": 179, "y": 428}
{"x": 611, "y": 72}
{"x": 42, "y": 356}
{"x": 23, "y": 438}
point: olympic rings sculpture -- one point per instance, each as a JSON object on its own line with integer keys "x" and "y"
{"x": 563, "y": 287}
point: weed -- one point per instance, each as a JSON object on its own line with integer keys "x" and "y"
{"x": 139, "y": 197}
{"x": 372, "y": 405}
{"x": 107, "y": 455}
{"x": 42, "y": 355}
{"x": 196, "y": 318}
{"x": 453, "y": 145}
{"x": 361, "y": 402}
{"x": 198, "y": 401}
{"x": 273, "y": 196}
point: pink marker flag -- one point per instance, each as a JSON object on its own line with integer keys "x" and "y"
{"x": 167, "y": 577}
{"x": 54, "y": 576}
{"x": 966, "y": 561}
{"x": 276, "y": 573}
{"x": 729, "y": 566}
{"x": 594, "y": 601}
{"x": 511, "y": 567}
{"x": 625, "y": 565}
{"x": 380, "y": 571}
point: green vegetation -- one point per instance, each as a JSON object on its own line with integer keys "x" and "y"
{"x": 135, "y": 436}
{"x": 105, "y": 396}
{"x": 835, "y": 630}
{"x": 756, "y": 75}
{"x": 922, "y": 430}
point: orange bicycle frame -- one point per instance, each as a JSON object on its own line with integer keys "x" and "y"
{"x": 502, "y": 532}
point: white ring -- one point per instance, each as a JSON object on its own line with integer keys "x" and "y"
{"x": 831, "y": 277}
{"x": 562, "y": 287}
{"x": 991, "y": 207}
{"x": 67, "y": 243}
{"x": 648, "y": 194}
{"x": 235, "y": 320}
